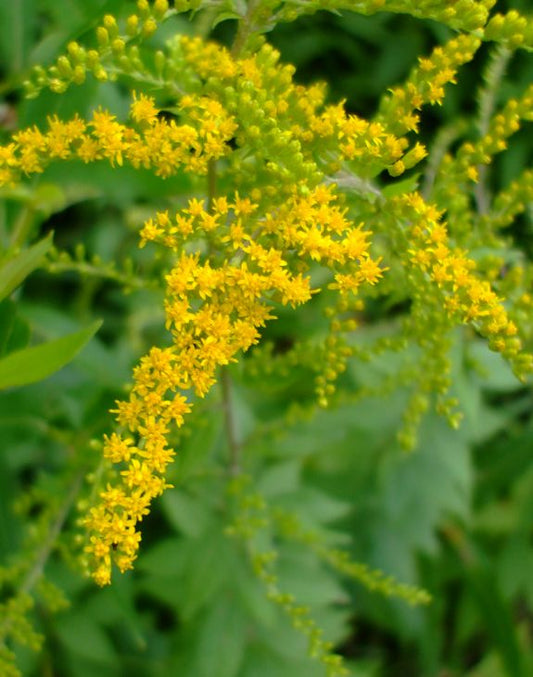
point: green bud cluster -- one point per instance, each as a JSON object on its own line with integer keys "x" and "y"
{"x": 512, "y": 30}
{"x": 115, "y": 48}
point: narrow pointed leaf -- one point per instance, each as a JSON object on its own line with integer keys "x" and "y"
{"x": 37, "y": 362}
{"x": 15, "y": 270}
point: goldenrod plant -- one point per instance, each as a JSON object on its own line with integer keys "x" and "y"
{"x": 280, "y": 263}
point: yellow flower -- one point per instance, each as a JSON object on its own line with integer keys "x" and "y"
{"x": 143, "y": 109}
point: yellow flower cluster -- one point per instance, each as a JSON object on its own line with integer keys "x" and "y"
{"x": 512, "y": 201}
{"x": 502, "y": 125}
{"x": 158, "y": 144}
{"x": 144, "y": 453}
{"x": 466, "y": 297}
{"x": 213, "y": 312}
{"x": 281, "y": 224}
{"x": 291, "y": 122}
{"x": 462, "y": 170}
{"x": 426, "y": 83}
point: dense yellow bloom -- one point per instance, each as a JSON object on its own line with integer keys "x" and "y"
{"x": 157, "y": 144}
{"x": 467, "y": 297}
{"x": 213, "y": 313}
{"x": 278, "y": 149}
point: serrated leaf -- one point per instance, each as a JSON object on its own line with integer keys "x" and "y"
{"x": 209, "y": 565}
{"x": 221, "y": 640}
{"x": 164, "y": 559}
{"x": 16, "y": 269}
{"x": 38, "y": 362}
{"x": 85, "y": 639}
{"x": 189, "y": 514}
{"x": 280, "y": 478}
{"x": 262, "y": 661}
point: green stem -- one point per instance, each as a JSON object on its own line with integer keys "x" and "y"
{"x": 46, "y": 548}
{"x": 487, "y": 103}
{"x": 230, "y": 423}
{"x": 211, "y": 183}
{"x": 245, "y": 29}
{"x": 93, "y": 271}
{"x": 45, "y": 551}
{"x": 443, "y": 140}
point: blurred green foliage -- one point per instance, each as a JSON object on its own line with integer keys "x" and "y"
{"x": 454, "y": 517}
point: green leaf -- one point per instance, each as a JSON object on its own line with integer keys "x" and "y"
{"x": 17, "y": 24}
{"x": 202, "y": 580}
{"x": 224, "y": 16}
{"x": 14, "y": 331}
{"x": 281, "y": 478}
{"x": 36, "y": 363}
{"x": 221, "y": 639}
{"x": 85, "y": 639}
{"x": 188, "y": 514}
{"x": 496, "y": 617}
{"x": 401, "y": 187}
{"x": 15, "y": 270}
{"x": 262, "y": 661}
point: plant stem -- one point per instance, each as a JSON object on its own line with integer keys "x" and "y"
{"x": 230, "y": 424}
{"x": 44, "y": 552}
{"x": 245, "y": 29}
{"x": 487, "y": 103}
{"x": 211, "y": 183}
{"x": 36, "y": 571}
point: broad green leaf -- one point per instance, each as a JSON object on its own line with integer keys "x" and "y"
{"x": 493, "y": 371}
{"x": 83, "y": 637}
{"x": 280, "y": 478}
{"x": 262, "y": 661}
{"x": 36, "y": 363}
{"x": 188, "y": 514}
{"x": 165, "y": 559}
{"x": 17, "y": 24}
{"x": 221, "y": 639}
{"x": 203, "y": 579}
{"x": 15, "y": 270}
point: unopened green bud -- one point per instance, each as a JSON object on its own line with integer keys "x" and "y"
{"x": 143, "y": 7}
{"x": 64, "y": 67}
{"x": 93, "y": 58}
{"x": 74, "y": 50}
{"x": 100, "y": 74}
{"x": 160, "y": 8}
{"x": 118, "y": 46}
{"x": 58, "y": 86}
{"x": 132, "y": 24}
{"x": 159, "y": 61}
{"x": 149, "y": 27}
{"x": 102, "y": 36}
{"x": 79, "y": 75}
{"x": 111, "y": 24}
